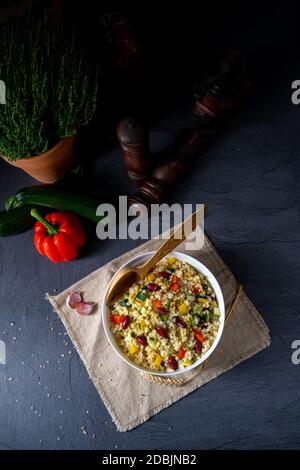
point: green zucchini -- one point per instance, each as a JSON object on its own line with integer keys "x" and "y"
{"x": 141, "y": 296}
{"x": 56, "y": 198}
{"x": 15, "y": 221}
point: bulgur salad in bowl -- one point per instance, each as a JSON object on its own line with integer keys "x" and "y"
{"x": 171, "y": 321}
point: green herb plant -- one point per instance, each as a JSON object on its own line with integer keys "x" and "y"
{"x": 51, "y": 86}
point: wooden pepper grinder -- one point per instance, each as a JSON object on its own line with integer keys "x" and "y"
{"x": 181, "y": 156}
{"x": 222, "y": 85}
{"x": 215, "y": 94}
{"x": 133, "y": 136}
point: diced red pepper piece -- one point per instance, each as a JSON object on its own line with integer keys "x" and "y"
{"x": 175, "y": 284}
{"x": 196, "y": 290}
{"x": 174, "y": 287}
{"x": 198, "y": 335}
{"x": 115, "y": 318}
{"x": 181, "y": 353}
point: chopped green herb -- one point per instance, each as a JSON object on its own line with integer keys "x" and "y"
{"x": 124, "y": 303}
{"x": 163, "y": 317}
{"x": 204, "y": 316}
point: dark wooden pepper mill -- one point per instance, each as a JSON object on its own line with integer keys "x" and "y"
{"x": 133, "y": 136}
{"x": 222, "y": 85}
{"x": 181, "y": 156}
{"x": 218, "y": 92}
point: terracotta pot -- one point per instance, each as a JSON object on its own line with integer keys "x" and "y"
{"x": 50, "y": 166}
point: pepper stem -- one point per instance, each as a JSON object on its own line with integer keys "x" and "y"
{"x": 51, "y": 229}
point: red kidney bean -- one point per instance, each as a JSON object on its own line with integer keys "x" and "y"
{"x": 160, "y": 310}
{"x": 198, "y": 347}
{"x": 164, "y": 275}
{"x": 142, "y": 340}
{"x": 180, "y": 322}
{"x": 162, "y": 331}
{"x": 125, "y": 322}
{"x": 172, "y": 363}
{"x": 153, "y": 287}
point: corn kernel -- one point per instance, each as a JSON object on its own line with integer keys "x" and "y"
{"x": 171, "y": 261}
{"x": 187, "y": 363}
{"x": 202, "y": 301}
{"x": 143, "y": 324}
{"x": 133, "y": 349}
{"x": 151, "y": 277}
{"x": 182, "y": 308}
{"x": 158, "y": 361}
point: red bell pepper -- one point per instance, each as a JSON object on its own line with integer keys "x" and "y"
{"x": 115, "y": 318}
{"x": 58, "y": 236}
{"x": 174, "y": 284}
{"x": 198, "y": 335}
{"x": 157, "y": 304}
{"x": 181, "y": 353}
{"x": 174, "y": 287}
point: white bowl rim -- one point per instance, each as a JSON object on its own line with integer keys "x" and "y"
{"x": 220, "y": 299}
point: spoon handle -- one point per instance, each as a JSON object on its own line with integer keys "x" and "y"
{"x": 179, "y": 234}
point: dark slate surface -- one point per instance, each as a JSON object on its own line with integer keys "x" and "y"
{"x": 246, "y": 178}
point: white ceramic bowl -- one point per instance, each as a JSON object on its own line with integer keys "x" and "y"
{"x": 140, "y": 259}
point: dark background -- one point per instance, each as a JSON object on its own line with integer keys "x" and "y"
{"x": 248, "y": 177}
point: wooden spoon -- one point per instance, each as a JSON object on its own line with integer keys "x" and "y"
{"x": 126, "y": 277}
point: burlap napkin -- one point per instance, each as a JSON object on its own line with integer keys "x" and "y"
{"x": 129, "y": 398}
